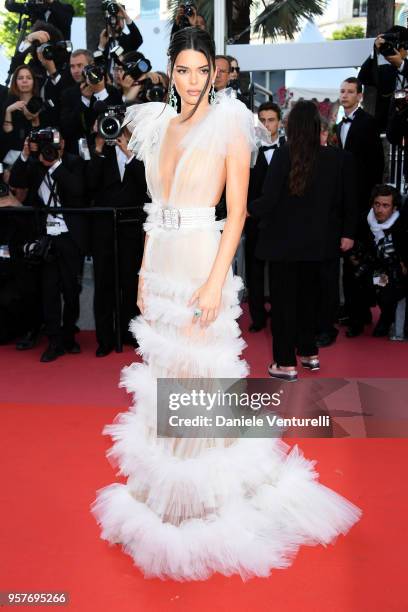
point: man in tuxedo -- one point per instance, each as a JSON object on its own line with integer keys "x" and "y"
{"x": 115, "y": 178}
{"x": 386, "y": 73}
{"x": 78, "y": 113}
{"x": 56, "y": 182}
{"x": 358, "y": 133}
{"x": 125, "y": 33}
{"x": 269, "y": 115}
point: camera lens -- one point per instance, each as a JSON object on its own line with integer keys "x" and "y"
{"x": 109, "y": 127}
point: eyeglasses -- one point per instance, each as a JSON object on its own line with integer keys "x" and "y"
{"x": 236, "y": 69}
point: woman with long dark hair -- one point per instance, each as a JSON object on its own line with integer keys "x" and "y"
{"x": 18, "y": 120}
{"x": 192, "y": 506}
{"x": 308, "y": 214}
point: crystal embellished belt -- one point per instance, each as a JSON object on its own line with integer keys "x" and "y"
{"x": 171, "y": 218}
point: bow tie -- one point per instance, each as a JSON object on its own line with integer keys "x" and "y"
{"x": 268, "y": 148}
{"x": 347, "y": 120}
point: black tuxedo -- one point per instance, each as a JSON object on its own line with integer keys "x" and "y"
{"x": 70, "y": 186}
{"x": 60, "y": 275}
{"x": 255, "y": 268}
{"x": 296, "y": 234}
{"x": 384, "y": 79}
{"x": 107, "y": 189}
{"x": 77, "y": 119}
{"x": 364, "y": 143}
{"x": 128, "y": 42}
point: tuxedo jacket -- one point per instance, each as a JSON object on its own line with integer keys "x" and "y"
{"x": 128, "y": 42}
{"x": 77, "y": 119}
{"x": 70, "y": 187}
{"x": 383, "y": 77}
{"x": 365, "y": 145}
{"x": 258, "y": 173}
{"x": 105, "y": 185}
{"x": 308, "y": 227}
{"x": 60, "y": 16}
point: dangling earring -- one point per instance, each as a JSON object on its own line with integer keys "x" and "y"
{"x": 172, "y": 97}
{"x": 212, "y": 94}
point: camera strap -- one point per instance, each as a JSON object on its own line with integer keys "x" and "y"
{"x": 52, "y": 185}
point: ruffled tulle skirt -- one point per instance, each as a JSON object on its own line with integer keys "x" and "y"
{"x": 192, "y": 507}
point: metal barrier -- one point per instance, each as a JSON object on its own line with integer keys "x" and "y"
{"x": 116, "y": 221}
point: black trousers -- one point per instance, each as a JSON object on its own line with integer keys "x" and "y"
{"x": 358, "y": 295}
{"x": 130, "y": 239}
{"x": 255, "y": 275}
{"x": 62, "y": 277}
{"x": 294, "y": 289}
{"x": 328, "y": 295}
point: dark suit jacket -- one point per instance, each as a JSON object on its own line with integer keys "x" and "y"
{"x": 306, "y": 228}
{"x": 77, "y": 119}
{"x": 364, "y": 143}
{"x": 70, "y": 186}
{"x": 128, "y": 42}
{"x": 61, "y": 14}
{"x": 258, "y": 174}
{"x": 383, "y": 78}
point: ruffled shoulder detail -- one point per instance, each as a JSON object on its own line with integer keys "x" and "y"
{"x": 228, "y": 129}
{"x": 145, "y": 121}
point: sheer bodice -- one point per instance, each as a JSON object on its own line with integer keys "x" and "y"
{"x": 226, "y": 129}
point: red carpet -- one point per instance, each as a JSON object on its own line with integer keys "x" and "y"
{"x": 53, "y": 460}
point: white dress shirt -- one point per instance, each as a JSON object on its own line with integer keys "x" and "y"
{"x": 122, "y": 160}
{"x": 55, "y": 224}
{"x": 344, "y": 130}
{"x": 100, "y": 96}
{"x": 269, "y": 153}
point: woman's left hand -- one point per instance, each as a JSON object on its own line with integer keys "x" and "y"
{"x": 206, "y": 299}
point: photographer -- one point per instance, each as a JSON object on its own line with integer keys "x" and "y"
{"x": 58, "y": 14}
{"x": 55, "y": 178}
{"x": 386, "y": 69}
{"x": 78, "y": 112}
{"x": 120, "y": 30}
{"x": 21, "y": 112}
{"x": 186, "y": 17}
{"x": 115, "y": 178}
{"x": 381, "y": 260}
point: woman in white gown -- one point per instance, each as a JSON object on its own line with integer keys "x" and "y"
{"x": 192, "y": 507}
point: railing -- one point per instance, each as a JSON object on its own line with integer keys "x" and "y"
{"x": 116, "y": 222}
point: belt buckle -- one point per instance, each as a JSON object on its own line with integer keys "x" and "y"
{"x": 171, "y": 217}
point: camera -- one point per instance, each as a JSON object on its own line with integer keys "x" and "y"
{"x": 136, "y": 69}
{"x": 152, "y": 92}
{"x": 189, "y": 11}
{"x": 401, "y": 99}
{"x": 36, "y": 105}
{"x": 48, "y": 140}
{"x": 4, "y": 188}
{"x": 391, "y": 44}
{"x": 57, "y": 51}
{"x": 110, "y": 123}
{"x": 94, "y": 73}
{"x": 234, "y": 84}
{"x": 111, "y": 9}
{"x": 39, "y": 250}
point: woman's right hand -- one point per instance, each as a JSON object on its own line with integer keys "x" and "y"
{"x": 140, "y": 289}
{"x": 19, "y": 105}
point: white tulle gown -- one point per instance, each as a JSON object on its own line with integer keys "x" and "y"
{"x": 192, "y": 507}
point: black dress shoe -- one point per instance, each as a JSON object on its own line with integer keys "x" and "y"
{"x": 380, "y": 331}
{"x": 52, "y": 353}
{"x": 28, "y": 341}
{"x": 253, "y": 328}
{"x": 72, "y": 347}
{"x": 103, "y": 351}
{"x": 326, "y": 338}
{"x": 354, "y": 331}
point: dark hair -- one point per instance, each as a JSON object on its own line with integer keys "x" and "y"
{"x": 356, "y": 81}
{"x": 224, "y": 57}
{"x": 324, "y": 124}
{"x": 397, "y": 29}
{"x": 54, "y": 33}
{"x": 265, "y": 106}
{"x": 165, "y": 79}
{"x": 386, "y": 190}
{"x": 85, "y": 52}
{"x": 197, "y": 40}
{"x": 132, "y": 56}
{"x": 13, "y": 84}
{"x": 303, "y": 133}
{"x": 231, "y": 58}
